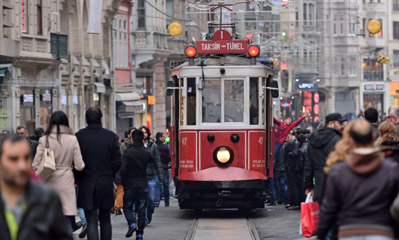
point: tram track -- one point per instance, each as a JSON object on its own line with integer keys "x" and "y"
{"x": 221, "y": 224}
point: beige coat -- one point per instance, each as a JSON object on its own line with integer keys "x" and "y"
{"x": 66, "y": 153}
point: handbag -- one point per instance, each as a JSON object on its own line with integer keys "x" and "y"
{"x": 47, "y": 165}
{"x": 309, "y": 216}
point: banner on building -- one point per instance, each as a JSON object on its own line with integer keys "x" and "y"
{"x": 95, "y": 9}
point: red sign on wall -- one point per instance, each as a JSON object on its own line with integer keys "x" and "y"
{"x": 23, "y": 26}
{"x": 222, "y": 43}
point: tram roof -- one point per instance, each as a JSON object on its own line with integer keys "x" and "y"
{"x": 238, "y": 66}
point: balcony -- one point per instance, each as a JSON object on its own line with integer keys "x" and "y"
{"x": 374, "y": 7}
{"x": 377, "y": 42}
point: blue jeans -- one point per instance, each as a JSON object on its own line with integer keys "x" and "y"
{"x": 81, "y": 212}
{"x": 281, "y": 179}
{"x": 370, "y": 237}
{"x": 158, "y": 190}
{"x": 152, "y": 185}
{"x": 277, "y": 147}
{"x": 166, "y": 186}
{"x": 135, "y": 197}
{"x": 272, "y": 188}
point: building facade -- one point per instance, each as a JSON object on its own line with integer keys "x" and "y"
{"x": 53, "y": 64}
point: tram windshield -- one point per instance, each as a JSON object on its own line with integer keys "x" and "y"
{"x": 226, "y": 101}
{"x": 234, "y": 100}
{"x": 211, "y": 103}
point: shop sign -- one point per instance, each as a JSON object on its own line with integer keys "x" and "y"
{"x": 151, "y": 100}
{"x": 392, "y": 100}
{"x": 374, "y": 87}
{"x": 46, "y": 97}
{"x": 306, "y": 86}
{"x": 23, "y": 16}
{"x": 394, "y": 73}
{"x": 96, "y": 98}
{"x": 316, "y": 97}
{"x": 75, "y": 100}
{"x": 28, "y": 98}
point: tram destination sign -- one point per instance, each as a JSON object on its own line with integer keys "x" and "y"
{"x": 222, "y": 46}
{"x": 222, "y": 43}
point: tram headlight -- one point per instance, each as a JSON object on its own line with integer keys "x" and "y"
{"x": 223, "y": 156}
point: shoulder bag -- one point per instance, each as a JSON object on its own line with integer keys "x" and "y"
{"x": 47, "y": 165}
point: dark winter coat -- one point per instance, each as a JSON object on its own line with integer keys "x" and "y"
{"x": 100, "y": 152}
{"x": 43, "y": 218}
{"x": 280, "y": 160}
{"x": 359, "y": 193}
{"x": 134, "y": 167}
{"x": 321, "y": 143}
{"x": 292, "y": 156}
{"x": 33, "y": 147}
{"x": 154, "y": 168}
{"x": 164, "y": 153}
{"x": 391, "y": 150}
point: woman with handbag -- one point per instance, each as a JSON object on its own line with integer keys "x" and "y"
{"x": 58, "y": 150}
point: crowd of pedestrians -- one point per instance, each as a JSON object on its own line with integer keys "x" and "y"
{"x": 350, "y": 168}
{"x": 93, "y": 175}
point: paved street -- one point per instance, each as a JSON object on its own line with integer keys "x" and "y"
{"x": 174, "y": 224}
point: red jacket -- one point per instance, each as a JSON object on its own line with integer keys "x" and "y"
{"x": 283, "y": 130}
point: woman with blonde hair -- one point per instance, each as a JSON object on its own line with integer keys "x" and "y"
{"x": 388, "y": 141}
{"x": 341, "y": 150}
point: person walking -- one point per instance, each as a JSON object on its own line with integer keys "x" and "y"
{"x": 348, "y": 186}
{"x": 388, "y": 141}
{"x": 321, "y": 143}
{"x": 164, "y": 153}
{"x": 393, "y": 116}
{"x": 102, "y": 157}
{"x": 154, "y": 172}
{"x": 21, "y": 131}
{"x": 135, "y": 161}
{"x": 371, "y": 115}
{"x": 60, "y": 139}
{"x": 27, "y": 210}
{"x": 118, "y": 180}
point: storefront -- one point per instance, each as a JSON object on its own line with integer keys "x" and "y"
{"x": 394, "y": 94}
{"x": 373, "y": 95}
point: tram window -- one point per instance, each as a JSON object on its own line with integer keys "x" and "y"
{"x": 234, "y": 100}
{"x": 264, "y": 101}
{"x": 181, "y": 104}
{"x": 211, "y": 105}
{"x": 191, "y": 102}
{"x": 253, "y": 101}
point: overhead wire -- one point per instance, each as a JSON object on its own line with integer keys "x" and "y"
{"x": 177, "y": 19}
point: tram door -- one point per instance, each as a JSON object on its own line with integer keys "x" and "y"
{"x": 174, "y": 128}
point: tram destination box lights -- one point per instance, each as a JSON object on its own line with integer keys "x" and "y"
{"x": 222, "y": 44}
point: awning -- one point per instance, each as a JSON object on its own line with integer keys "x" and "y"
{"x": 127, "y": 96}
{"x": 134, "y": 106}
{"x": 100, "y": 87}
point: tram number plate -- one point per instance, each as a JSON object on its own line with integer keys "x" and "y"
{"x": 222, "y": 46}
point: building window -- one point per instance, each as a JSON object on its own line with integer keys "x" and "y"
{"x": 304, "y": 13}
{"x": 120, "y": 40}
{"x": 311, "y": 6}
{"x": 342, "y": 66}
{"x": 141, "y": 13}
{"x": 335, "y": 65}
{"x": 352, "y": 68}
{"x": 39, "y": 12}
{"x": 379, "y": 34}
{"x": 335, "y": 25}
{"x": 396, "y": 30}
{"x": 24, "y": 16}
{"x": 169, "y": 11}
{"x": 395, "y": 5}
{"x": 341, "y": 25}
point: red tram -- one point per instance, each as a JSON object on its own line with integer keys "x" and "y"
{"x": 221, "y": 127}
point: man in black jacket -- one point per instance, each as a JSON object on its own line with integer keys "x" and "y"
{"x": 27, "y": 210}
{"x": 321, "y": 143}
{"x": 134, "y": 180}
{"x": 100, "y": 152}
{"x": 21, "y": 131}
{"x": 371, "y": 115}
{"x": 164, "y": 153}
{"x": 360, "y": 190}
